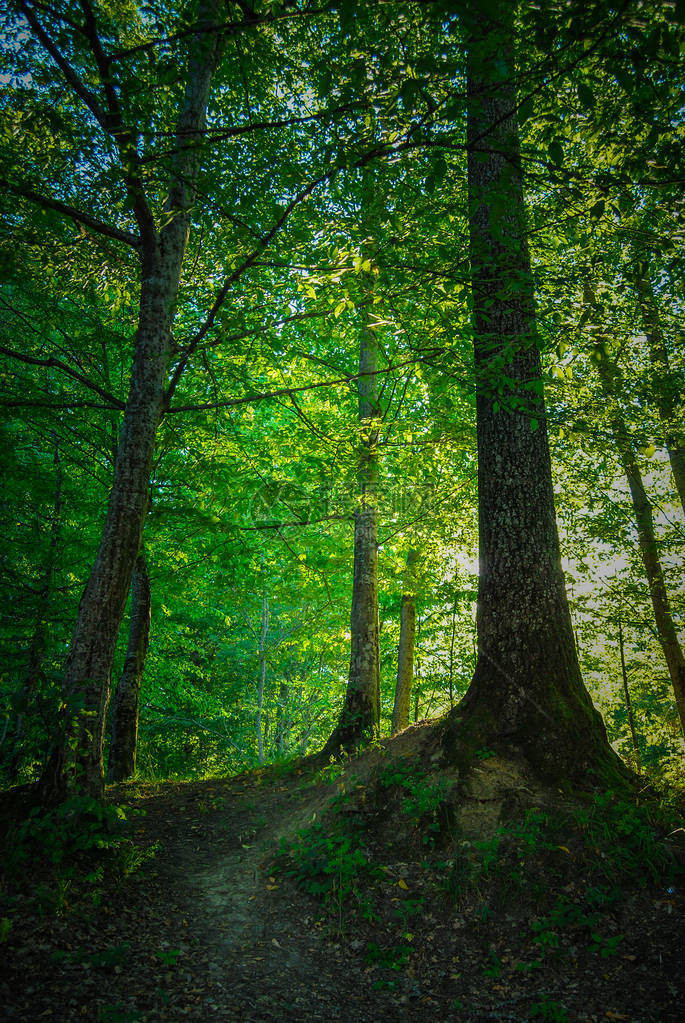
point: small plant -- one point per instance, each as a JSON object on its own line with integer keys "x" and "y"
{"x": 5, "y": 928}
{"x": 169, "y": 956}
{"x": 333, "y": 770}
{"x": 392, "y": 958}
{"x": 331, "y": 864}
{"x": 549, "y": 1010}
{"x": 485, "y": 753}
{"x": 605, "y": 947}
{"x": 131, "y": 858}
{"x": 51, "y": 900}
{"x": 493, "y": 964}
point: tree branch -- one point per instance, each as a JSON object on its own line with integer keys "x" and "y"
{"x": 52, "y": 363}
{"x": 48, "y": 203}
{"x": 290, "y": 391}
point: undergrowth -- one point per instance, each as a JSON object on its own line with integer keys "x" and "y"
{"x": 562, "y": 870}
{"x": 69, "y": 854}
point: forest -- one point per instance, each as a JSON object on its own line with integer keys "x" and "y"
{"x": 342, "y": 375}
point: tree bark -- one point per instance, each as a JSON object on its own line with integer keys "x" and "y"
{"x": 527, "y": 692}
{"x": 360, "y": 715}
{"x": 76, "y": 762}
{"x": 124, "y": 738}
{"x": 405, "y": 652}
{"x": 283, "y": 720}
{"x": 665, "y": 384}
{"x": 626, "y": 693}
{"x": 646, "y": 535}
{"x": 261, "y": 680}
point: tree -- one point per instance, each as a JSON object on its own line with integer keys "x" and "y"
{"x": 125, "y": 706}
{"x": 405, "y": 650}
{"x": 666, "y": 385}
{"x": 527, "y": 689}
{"x": 360, "y": 714}
{"x": 77, "y": 759}
{"x": 646, "y": 534}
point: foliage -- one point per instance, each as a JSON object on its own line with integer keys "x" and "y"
{"x": 71, "y": 852}
{"x": 330, "y": 862}
{"x": 253, "y": 482}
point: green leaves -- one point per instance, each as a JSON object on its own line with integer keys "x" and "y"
{"x": 586, "y": 96}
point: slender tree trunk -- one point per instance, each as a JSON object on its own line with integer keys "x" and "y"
{"x": 261, "y": 680}
{"x": 646, "y": 535}
{"x": 405, "y": 652}
{"x": 34, "y": 670}
{"x": 665, "y": 384}
{"x": 283, "y": 719}
{"x": 626, "y": 693}
{"x": 76, "y": 762}
{"x": 124, "y": 737}
{"x": 453, "y": 634}
{"x": 527, "y": 692}
{"x": 360, "y": 714}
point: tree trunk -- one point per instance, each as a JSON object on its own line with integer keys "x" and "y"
{"x": 665, "y": 384}
{"x": 649, "y": 548}
{"x": 626, "y": 693}
{"x": 261, "y": 681}
{"x": 76, "y": 762}
{"x": 124, "y": 737}
{"x": 34, "y": 670}
{"x": 527, "y": 692}
{"x": 283, "y": 721}
{"x": 405, "y": 652}
{"x": 360, "y": 714}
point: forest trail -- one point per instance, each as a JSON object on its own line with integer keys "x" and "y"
{"x": 204, "y": 931}
{"x": 262, "y": 957}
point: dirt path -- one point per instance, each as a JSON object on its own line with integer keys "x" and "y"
{"x": 205, "y": 933}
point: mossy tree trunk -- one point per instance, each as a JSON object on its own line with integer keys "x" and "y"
{"x": 125, "y": 706}
{"x": 527, "y": 692}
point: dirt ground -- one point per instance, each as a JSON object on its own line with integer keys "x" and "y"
{"x": 207, "y": 930}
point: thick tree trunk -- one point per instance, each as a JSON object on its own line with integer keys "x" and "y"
{"x": 665, "y": 384}
{"x": 124, "y": 738}
{"x": 76, "y": 762}
{"x": 527, "y": 691}
{"x": 405, "y": 651}
{"x": 649, "y": 548}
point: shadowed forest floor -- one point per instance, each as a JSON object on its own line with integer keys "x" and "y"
{"x": 210, "y": 928}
